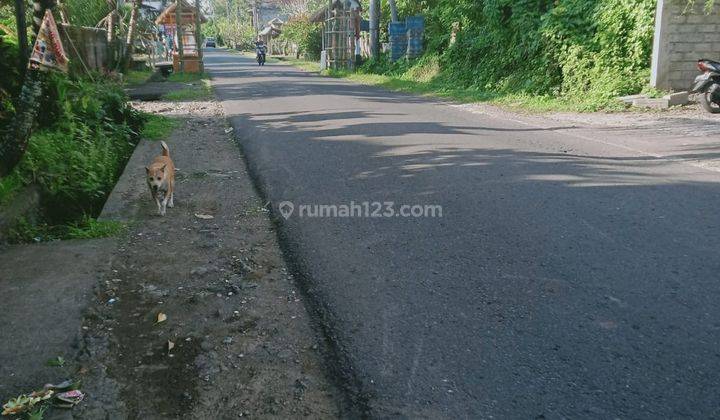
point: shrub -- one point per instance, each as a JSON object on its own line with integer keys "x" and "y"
{"x": 306, "y": 35}
{"x": 85, "y": 134}
{"x": 578, "y": 48}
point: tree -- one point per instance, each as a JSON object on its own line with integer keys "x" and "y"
{"x": 132, "y": 31}
{"x": 14, "y": 141}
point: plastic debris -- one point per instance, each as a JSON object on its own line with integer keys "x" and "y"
{"x": 170, "y": 346}
{"x": 69, "y": 399}
{"x": 228, "y": 130}
{"x": 204, "y": 216}
{"x": 64, "y": 385}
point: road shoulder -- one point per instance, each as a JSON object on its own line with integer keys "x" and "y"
{"x": 236, "y": 340}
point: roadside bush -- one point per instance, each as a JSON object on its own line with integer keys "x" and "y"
{"x": 9, "y": 85}
{"x": 306, "y": 35}
{"x": 588, "y": 49}
{"x": 86, "y": 132}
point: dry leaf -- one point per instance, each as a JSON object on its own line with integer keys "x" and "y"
{"x": 204, "y": 216}
{"x": 161, "y": 317}
{"x": 170, "y": 346}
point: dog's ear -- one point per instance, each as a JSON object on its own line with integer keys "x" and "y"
{"x": 163, "y": 168}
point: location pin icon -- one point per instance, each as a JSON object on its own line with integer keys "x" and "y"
{"x": 286, "y": 209}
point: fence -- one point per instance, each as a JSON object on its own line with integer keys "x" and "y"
{"x": 406, "y": 38}
{"x": 87, "y": 48}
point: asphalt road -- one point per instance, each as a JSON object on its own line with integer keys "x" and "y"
{"x": 574, "y": 272}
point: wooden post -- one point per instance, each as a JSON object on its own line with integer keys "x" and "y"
{"x": 178, "y": 34}
{"x": 198, "y": 36}
{"x": 21, "y": 32}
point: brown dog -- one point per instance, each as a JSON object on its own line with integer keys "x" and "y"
{"x": 161, "y": 179}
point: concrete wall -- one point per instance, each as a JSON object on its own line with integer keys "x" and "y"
{"x": 682, "y": 36}
{"x": 86, "y": 45}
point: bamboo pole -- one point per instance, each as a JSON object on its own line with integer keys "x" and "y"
{"x": 178, "y": 33}
{"x": 198, "y": 36}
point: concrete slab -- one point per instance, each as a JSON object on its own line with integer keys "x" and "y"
{"x": 678, "y": 98}
{"x": 37, "y": 325}
{"x": 657, "y": 103}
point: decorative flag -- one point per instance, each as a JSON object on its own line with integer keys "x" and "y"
{"x": 48, "y": 52}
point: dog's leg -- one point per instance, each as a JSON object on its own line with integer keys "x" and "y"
{"x": 171, "y": 203}
{"x": 165, "y": 203}
{"x": 159, "y": 206}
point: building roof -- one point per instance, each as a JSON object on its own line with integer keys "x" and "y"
{"x": 167, "y": 17}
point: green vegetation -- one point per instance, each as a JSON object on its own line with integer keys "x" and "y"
{"x": 306, "y": 65}
{"x": 84, "y": 134}
{"x": 306, "y": 35}
{"x": 230, "y": 24}
{"x": 137, "y": 77}
{"x": 157, "y": 127}
{"x": 198, "y": 89}
{"x": 187, "y": 77}
{"x": 539, "y": 54}
{"x": 87, "y": 228}
{"x": 91, "y": 228}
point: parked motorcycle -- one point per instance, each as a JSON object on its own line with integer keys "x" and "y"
{"x": 707, "y": 85}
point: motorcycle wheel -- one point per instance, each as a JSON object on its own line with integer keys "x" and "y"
{"x": 707, "y": 104}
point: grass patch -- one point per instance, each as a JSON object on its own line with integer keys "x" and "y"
{"x": 157, "y": 127}
{"x": 137, "y": 77}
{"x": 426, "y": 82}
{"x": 199, "y": 91}
{"x": 300, "y": 63}
{"x": 91, "y": 228}
{"x": 187, "y": 77}
{"x": 87, "y": 228}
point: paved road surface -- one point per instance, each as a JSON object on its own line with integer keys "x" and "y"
{"x": 574, "y": 273}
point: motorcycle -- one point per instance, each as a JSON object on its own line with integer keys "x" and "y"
{"x": 260, "y": 56}
{"x": 707, "y": 85}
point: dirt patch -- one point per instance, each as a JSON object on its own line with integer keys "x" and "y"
{"x": 241, "y": 339}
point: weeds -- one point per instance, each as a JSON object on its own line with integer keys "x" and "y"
{"x": 136, "y": 77}
{"x": 85, "y": 134}
{"x": 195, "y": 92}
{"x": 187, "y": 77}
{"x": 157, "y": 127}
{"x": 87, "y": 228}
{"x": 92, "y": 229}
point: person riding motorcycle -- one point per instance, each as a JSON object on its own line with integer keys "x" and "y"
{"x": 260, "y": 51}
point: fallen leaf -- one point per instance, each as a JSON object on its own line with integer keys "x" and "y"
{"x": 161, "y": 317}
{"x": 170, "y": 346}
{"x": 204, "y": 216}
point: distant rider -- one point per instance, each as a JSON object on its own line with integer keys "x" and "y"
{"x": 260, "y": 51}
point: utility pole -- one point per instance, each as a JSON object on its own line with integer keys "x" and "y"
{"x": 256, "y": 18}
{"x": 178, "y": 34}
{"x": 198, "y": 36}
{"x": 21, "y": 31}
{"x": 393, "y": 11}
{"x": 374, "y": 28}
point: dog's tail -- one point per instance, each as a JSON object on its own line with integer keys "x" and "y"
{"x": 166, "y": 149}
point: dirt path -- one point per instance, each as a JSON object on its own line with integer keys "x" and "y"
{"x": 242, "y": 342}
